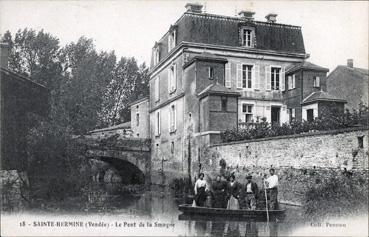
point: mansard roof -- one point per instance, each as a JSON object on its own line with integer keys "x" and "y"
{"x": 306, "y": 65}
{"x": 321, "y": 96}
{"x": 223, "y": 30}
{"x": 217, "y": 89}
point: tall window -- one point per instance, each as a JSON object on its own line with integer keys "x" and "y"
{"x": 156, "y": 89}
{"x": 247, "y": 111}
{"x": 292, "y": 114}
{"x": 172, "y": 78}
{"x": 172, "y": 118}
{"x": 275, "y": 77}
{"x": 246, "y": 36}
{"x": 211, "y": 73}
{"x": 224, "y": 103}
{"x": 247, "y": 76}
{"x": 157, "y": 125}
{"x": 316, "y": 81}
{"x": 137, "y": 119}
{"x": 171, "y": 40}
{"x": 172, "y": 148}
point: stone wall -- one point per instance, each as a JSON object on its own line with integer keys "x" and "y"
{"x": 299, "y": 160}
{"x": 329, "y": 149}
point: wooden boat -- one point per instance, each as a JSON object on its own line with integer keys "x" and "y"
{"x": 189, "y": 210}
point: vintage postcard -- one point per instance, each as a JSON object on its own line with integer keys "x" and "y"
{"x": 184, "y": 118}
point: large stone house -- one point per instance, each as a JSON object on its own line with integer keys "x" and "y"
{"x": 349, "y": 83}
{"x": 210, "y": 73}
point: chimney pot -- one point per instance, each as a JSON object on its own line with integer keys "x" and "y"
{"x": 247, "y": 15}
{"x": 4, "y": 52}
{"x": 350, "y": 63}
{"x": 194, "y": 7}
{"x": 271, "y": 17}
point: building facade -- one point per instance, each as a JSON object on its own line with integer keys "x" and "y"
{"x": 349, "y": 83}
{"x": 140, "y": 118}
{"x": 210, "y": 73}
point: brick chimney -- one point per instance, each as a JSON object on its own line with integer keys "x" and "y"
{"x": 350, "y": 63}
{"x": 4, "y": 52}
{"x": 247, "y": 15}
{"x": 271, "y": 17}
{"x": 194, "y": 7}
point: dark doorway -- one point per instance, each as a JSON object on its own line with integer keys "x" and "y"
{"x": 310, "y": 115}
{"x": 276, "y": 113}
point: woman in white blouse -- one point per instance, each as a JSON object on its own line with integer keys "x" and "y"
{"x": 200, "y": 190}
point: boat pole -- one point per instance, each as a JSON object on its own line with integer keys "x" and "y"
{"x": 266, "y": 201}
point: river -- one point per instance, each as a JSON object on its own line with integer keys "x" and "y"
{"x": 159, "y": 207}
{"x": 108, "y": 212}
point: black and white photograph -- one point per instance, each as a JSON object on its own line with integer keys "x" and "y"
{"x": 184, "y": 118}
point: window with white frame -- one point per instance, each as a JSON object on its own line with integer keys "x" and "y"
{"x": 228, "y": 75}
{"x": 157, "y": 123}
{"x": 247, "y": 76}
{"x": 171, "y": 40}
{"x": 156, "y": 55}
{"x": 211, "y": 73}
{"x": 156, "y": 89}
{"x": 247, "y": 112}
{"x": 316, "y": 81}
{"x": 246, "y": 37}
{"x": 275, "y": 78}
{"x": 172, "y": 78}
{"x": 172, "y": 118}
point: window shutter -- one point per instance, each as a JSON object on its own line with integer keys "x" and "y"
{"x": 228, "y": 75}
{"x": 257, "y": 77}
{"x": 283, "y": 80}
{"x": 267, "y": 78}
{"x": 175, "y": 117}
{"x": 174, "y": 83}
{"x": 239, "y": 76}
{"x": 293, "y": 81}
{"x": 318, "y": 81}
{"x": 253, "y": 77}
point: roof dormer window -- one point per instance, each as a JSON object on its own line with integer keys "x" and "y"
{"x": 247, "y": 37}
{"x": 156, "y": 55}
{"x": 172, "y": 38}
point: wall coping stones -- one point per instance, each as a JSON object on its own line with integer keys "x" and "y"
{"x": 311, "y": 134}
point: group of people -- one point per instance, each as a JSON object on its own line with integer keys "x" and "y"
{"x": 226, "y": 192}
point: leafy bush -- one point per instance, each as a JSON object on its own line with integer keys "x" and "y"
{"x": 328, "y": 120}
{"x": 337, "y": 195}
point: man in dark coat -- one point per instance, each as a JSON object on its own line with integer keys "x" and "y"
{"x": 251, "y": 193}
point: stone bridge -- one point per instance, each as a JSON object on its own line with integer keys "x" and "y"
{"x": 127, "y": 155}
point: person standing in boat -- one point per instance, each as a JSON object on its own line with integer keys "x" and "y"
{"x": 219, "y": 188}
{"x": 200, "y": 190}
{"x": 272, "y": 187}
{"x": 233, "y": 193}
{"x": 251, "y": 193}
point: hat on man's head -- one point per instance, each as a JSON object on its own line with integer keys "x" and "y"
{"x": 248, "y": 177}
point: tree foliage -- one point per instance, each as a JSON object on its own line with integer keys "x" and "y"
{"x": 88, "y": 89}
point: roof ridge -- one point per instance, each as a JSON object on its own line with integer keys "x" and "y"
{"x": 234, "y": 18}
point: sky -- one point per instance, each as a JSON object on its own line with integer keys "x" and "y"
{"x": 333, "y": 31}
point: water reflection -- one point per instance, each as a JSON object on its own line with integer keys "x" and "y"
{"x": 160, "y": 204}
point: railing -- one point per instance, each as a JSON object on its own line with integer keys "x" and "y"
{"x": 245, "y": 125}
